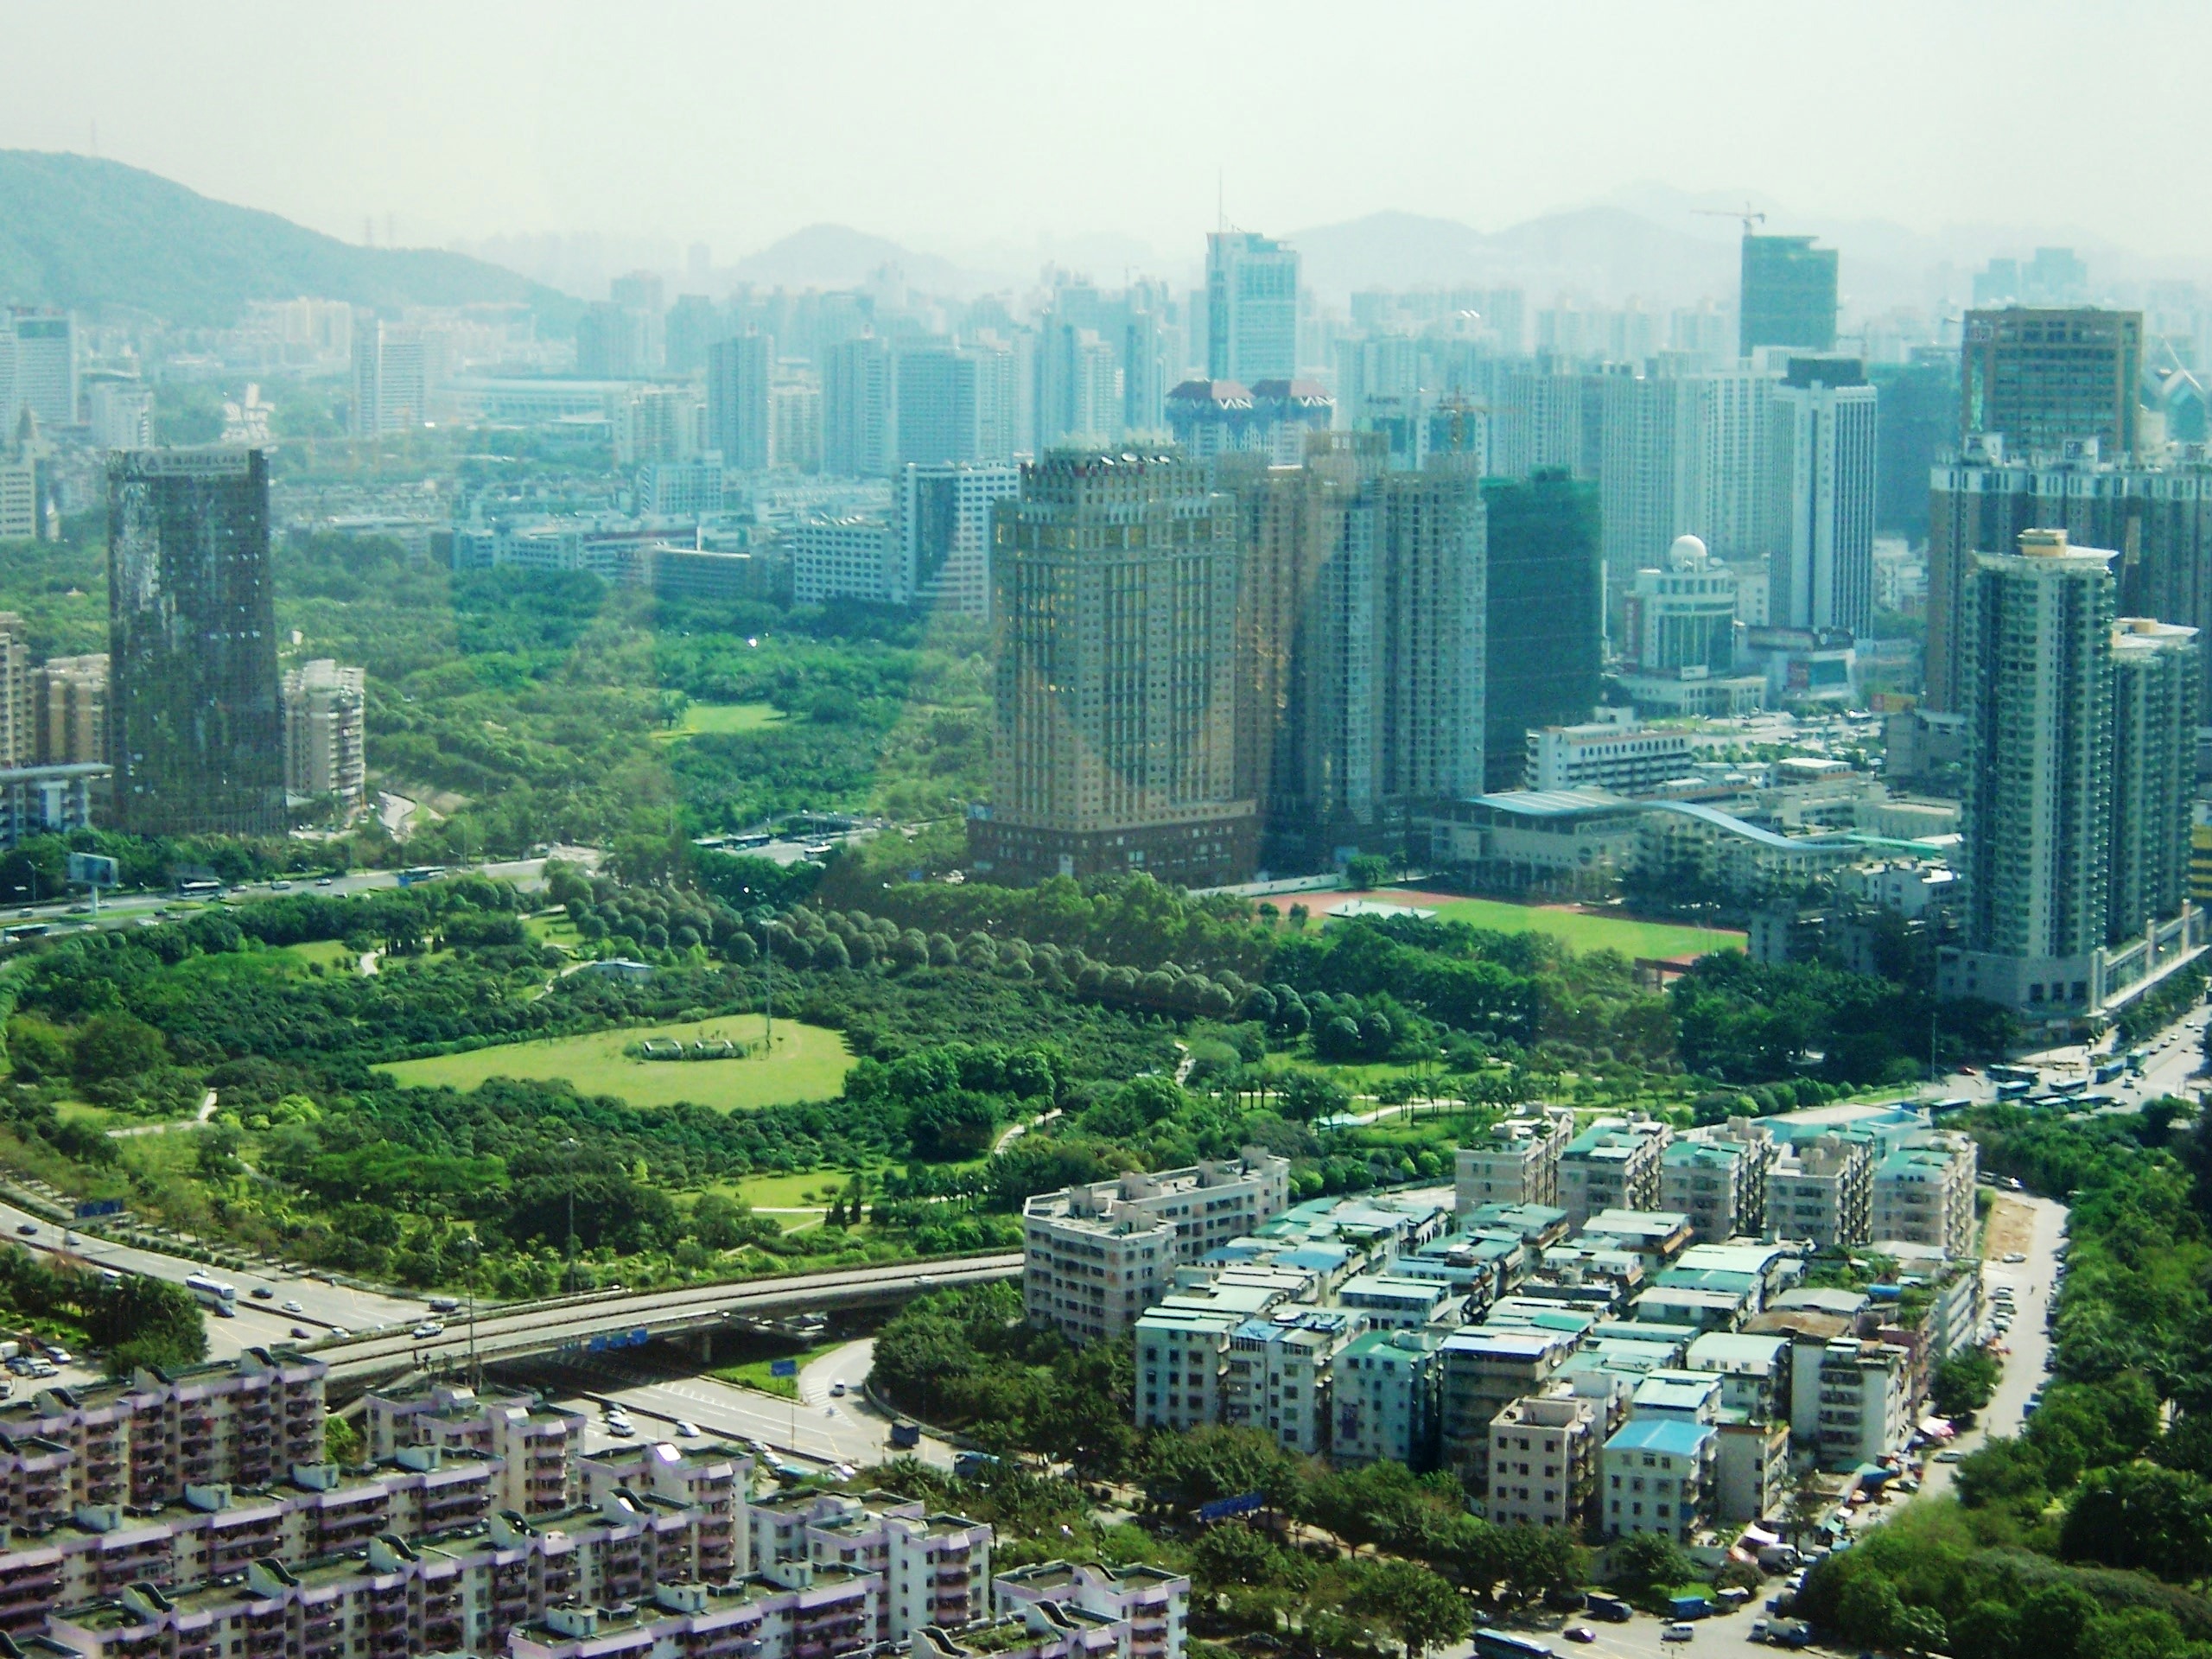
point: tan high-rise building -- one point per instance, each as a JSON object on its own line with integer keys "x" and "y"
{"x": 1114, "y": 583}
{"x": 68, "y": 697}
{"x": 1361, "y": 640}
{"x": 18, "y": 734}
{"x": 325, "y": 731}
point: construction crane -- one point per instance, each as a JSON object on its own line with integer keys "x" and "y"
{"x": 1750, "y": 215}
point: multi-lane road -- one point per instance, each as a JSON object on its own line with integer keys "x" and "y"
{"x": 260, "y": 1321}
{"x": 520, "y": 1331}
{"x": 128, "y": 907}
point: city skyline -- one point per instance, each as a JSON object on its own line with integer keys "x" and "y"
{"x": 923, "y": 160}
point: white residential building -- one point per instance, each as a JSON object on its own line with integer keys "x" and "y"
{"x": 1657, "y": 1476}
{"x": 1095, "y": 1256}
{"x": 1517, "y": 1163}
{"x": 845, "y": 558}
{"x": 1543, "y": 1454}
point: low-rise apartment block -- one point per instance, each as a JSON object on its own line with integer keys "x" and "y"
{"x": 1853, "y": 1403}
{"x": 1612, "y": 1165}
{"x": 1518, "y": 1163}
{"x": 1543, "y": 1460}
{"x": 1094, "y": 1257}
{"x": 1385, "y": 1398}
{"x": 536, "y": 1445}
{"x": 1154, "y": 1602}
{"x": 142, "y": 1443}
{"x": 1657, "y": 1476}
{"x": 1485, "y": 1368}
{"x": 1822, "y": 1190}
{"x": 1923, "y": 1192}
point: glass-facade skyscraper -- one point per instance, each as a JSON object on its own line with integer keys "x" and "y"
{"x": 1788, "y": 295}
{"x": 1251, "y": 308}
{"x": 197, "y": 724}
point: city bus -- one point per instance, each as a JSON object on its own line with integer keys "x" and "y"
{"x": 1501, "y": 1644}
{"x": 212, "y": 1293}
{"x": 416, "y": 873}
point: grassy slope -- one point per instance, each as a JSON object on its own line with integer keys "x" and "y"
{"x": 810, "y": 1063}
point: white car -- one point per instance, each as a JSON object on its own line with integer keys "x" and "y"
{"x": 294, "y": 1307}
{"x": 687, "y": 1431}
{"x": 2013, "y": 1258}
{"x": 622, "y": 1429}
{"x": 427, "y": 1329}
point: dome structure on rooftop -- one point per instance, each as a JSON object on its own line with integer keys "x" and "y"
{"x": 1688, "y": 554}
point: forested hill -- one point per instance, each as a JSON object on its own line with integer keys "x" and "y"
{"x": 84, "y": 233}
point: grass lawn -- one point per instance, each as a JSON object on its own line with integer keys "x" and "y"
{"x": 1585, "y": 932}
{"x": 722, "y": 718}
{"x": 754, "y": 1374}
{"x": 331, "y": 953}
{"x": 809, "y": 1062}
{"x": 812, "y": 1189}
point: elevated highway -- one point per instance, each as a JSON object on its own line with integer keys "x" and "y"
{"x": 612, "y": 1320}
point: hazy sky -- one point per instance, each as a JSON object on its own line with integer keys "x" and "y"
{"x": 955, "y": 125}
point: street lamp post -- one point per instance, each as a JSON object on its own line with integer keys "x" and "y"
{"x": 571, "y": 1145}
{"x": 475, "y": 1254}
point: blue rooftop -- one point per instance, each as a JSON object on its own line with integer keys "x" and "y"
{"x": 1659, "y": 1434}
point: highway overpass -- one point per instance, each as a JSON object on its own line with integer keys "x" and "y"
{"x": 616, "y": 1320}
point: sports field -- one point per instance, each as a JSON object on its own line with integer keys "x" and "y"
{"x": 1580, "y": 930}
{"x": 809, "y": 1062}
{"x": 720, "y": 719}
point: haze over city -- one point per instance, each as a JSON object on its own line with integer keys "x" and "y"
{"x": 979, "y": 133}
{"x": 1200, "y": 831}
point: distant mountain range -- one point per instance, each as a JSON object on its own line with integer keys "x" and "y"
{"x": 837, "y": 256}
{"x": 88, "y": 234}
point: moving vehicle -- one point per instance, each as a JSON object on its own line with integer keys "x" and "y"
{"x": 687, "y": 1431}
{"x": 1610, "y": 1608}
{"x": 444, "y": 1304}
{"x": 212, "y": 1293}
{"x": 906, "y": 1435}
{"x": 427, "y": 1329}
{"x": 837, "y": 1390}
{"x": 293, "y": 1307}
{"x": 300, "y": 1334}
{"x": 1679, "y": 1632}
{"x": 622, "y": 1429}
{"x": 1504, "y": 1644}
{"x": 263, "y": 1294}
{"x": 1580, "y": 1633}
{"x": 416, "y": 873}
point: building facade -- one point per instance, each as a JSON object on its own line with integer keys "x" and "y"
{"x": 2042, "y": 377}
{"x": 1787, "y": 295}
{"x": 739, "y": 372}
{"x": 1114, "y": 610}
{"x": 197, "y": 741}
{"x": 326, "y": 732}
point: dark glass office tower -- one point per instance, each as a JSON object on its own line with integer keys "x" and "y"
{"x": 196, "y": 729}
{"x": 1547, "y": 585}
{"x": 1789, "y": 294}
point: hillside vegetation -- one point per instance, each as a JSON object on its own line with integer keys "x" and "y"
{"x": 81, "y": 232}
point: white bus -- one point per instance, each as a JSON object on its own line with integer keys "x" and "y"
{"x": 212, "y": 1293}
